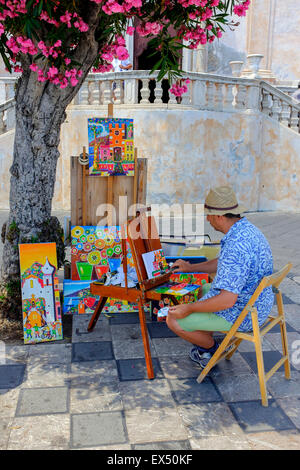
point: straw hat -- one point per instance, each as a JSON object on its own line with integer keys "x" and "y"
{"x": 222, "y": 200}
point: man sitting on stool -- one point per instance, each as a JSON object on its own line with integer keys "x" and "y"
{"x": 245, "y": 258}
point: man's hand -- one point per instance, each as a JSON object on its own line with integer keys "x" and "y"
{"x": 179, "y": 311}
{"x": 181, "y": 266}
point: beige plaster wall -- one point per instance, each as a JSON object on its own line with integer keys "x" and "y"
{"x": 189, "y": 151}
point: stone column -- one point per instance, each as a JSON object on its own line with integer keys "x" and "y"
{"x": 195, "y": 60}
{"x": 260, "y": 29}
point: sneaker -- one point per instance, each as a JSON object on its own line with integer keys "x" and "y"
{"x": 201, "y": 359}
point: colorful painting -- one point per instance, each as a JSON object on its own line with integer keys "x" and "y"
{"x": 95, "y": 251}
{"x": 155, "y": 263}
{"x": 111, "y": 146}
{"x": 78, "y": 300}
{"x": 190, "y": 278}
{"x": 192, "y": 296}
{"x": 40, "y": 293}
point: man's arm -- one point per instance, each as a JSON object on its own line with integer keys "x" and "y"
{"x": 182, "y": 266}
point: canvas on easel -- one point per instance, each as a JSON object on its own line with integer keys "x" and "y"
{"x": 111, "y": 146}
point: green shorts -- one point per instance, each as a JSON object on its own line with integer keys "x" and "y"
{"x": 204, "y": 321}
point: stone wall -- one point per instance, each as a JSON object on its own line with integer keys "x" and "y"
{"x": 189, "y": 151}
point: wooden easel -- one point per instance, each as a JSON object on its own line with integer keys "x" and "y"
{"x": 148, "y": 240}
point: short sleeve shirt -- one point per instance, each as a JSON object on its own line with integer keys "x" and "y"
{"x": 245, "y": 258}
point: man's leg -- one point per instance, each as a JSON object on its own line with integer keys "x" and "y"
{"x": 201, "y": 338}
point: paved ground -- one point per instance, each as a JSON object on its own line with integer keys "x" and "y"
{"x": 92, "y": 393}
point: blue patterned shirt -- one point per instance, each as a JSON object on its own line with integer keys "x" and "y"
{"x": 245, "y": 258}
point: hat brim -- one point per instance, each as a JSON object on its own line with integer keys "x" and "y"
{"x": 237, "y": 211}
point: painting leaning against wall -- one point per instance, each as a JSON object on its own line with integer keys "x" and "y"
{"x": 40, "y": 293}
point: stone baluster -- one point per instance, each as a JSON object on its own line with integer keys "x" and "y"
{"x": 10, "y": 120}
{"x": 158, "y": 92}
{"x": 228, "y": 97}
{"x": 107, "y": 92}
{"x": 253, "y": 99}
{"x": 118, "y": 92}
{"x": 295, "y": 119}
{"x": 186, "y": 97}
{"x": 219, "y": 97}
{"x": 276, "y": 108}
{"x": 241, "y": 97}
{"x": 210, "y": 95}
{"x": 94, "y": 92}
{"x": 145, "y": 91}
{"x": 172, "y": 98}
{"x": 198, "y": 93}
{"x": 266, "y": 103}
{"x": 84, "y": 93}
{"x": 131, "y": 91}
{"x": 285, "y": 114}
{"x": 2, "y": 122}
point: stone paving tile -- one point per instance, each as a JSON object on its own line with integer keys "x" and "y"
{"x": 281, "y": 387}
{"x": 160, "y": 330}
{"x": 135, "y": 369}
{"x": 270, "y": 359}
{"x": 253, "y": 417}
{"x": 41, "y": 401}
{"x": 146, "y": 394}
{"x": 291, "y": 407}
{"x": 46, "y": 432}
{"x": 101, "y": 350}
{"x": 94, "y": 372}
{"x": 5, "y": 430}
{"x": 178, "y": 367}
{"x": 128, "y": 342}
{"x": 208, "y": 420}
{"x": 15, "y": 354}
{"x": 95, "y": 398}
{"x": 275, "y": 440}
{"x": 187, "y": 391}
{"x": 50, "y": 352}
{"x": 236, "y": 366}
{"x": 44, "y": 375}
{"x": 163, "y": 424}
{"x": 80, "y": 334}
{"x": 8, "y": 402}
{"x": 220, "y": 443}
{"x": 11, "y": 375}
{"x": 97, "y": 429}
{"x": 171, "y": 346}
{"x": 238, "y": 388}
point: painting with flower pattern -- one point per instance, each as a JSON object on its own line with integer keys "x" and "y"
{"x": 95, "y": 251}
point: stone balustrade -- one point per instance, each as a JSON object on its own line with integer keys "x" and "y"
{"x": 7, "y": 116}
{"x": 205, "y": 91}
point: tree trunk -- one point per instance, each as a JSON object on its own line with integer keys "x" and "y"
{"x": 40, "y": 111}
{"x": 39, "y": 115}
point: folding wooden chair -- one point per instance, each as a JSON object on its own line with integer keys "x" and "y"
{"x": 233, "y": 337}
{"x": 143, "y": 237}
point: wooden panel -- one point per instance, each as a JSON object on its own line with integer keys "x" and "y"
{"x": 96, "y": 193}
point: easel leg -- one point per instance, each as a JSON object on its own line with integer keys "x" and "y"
{"x": 96, "y": 315}
{"x": 145, "y": 337}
